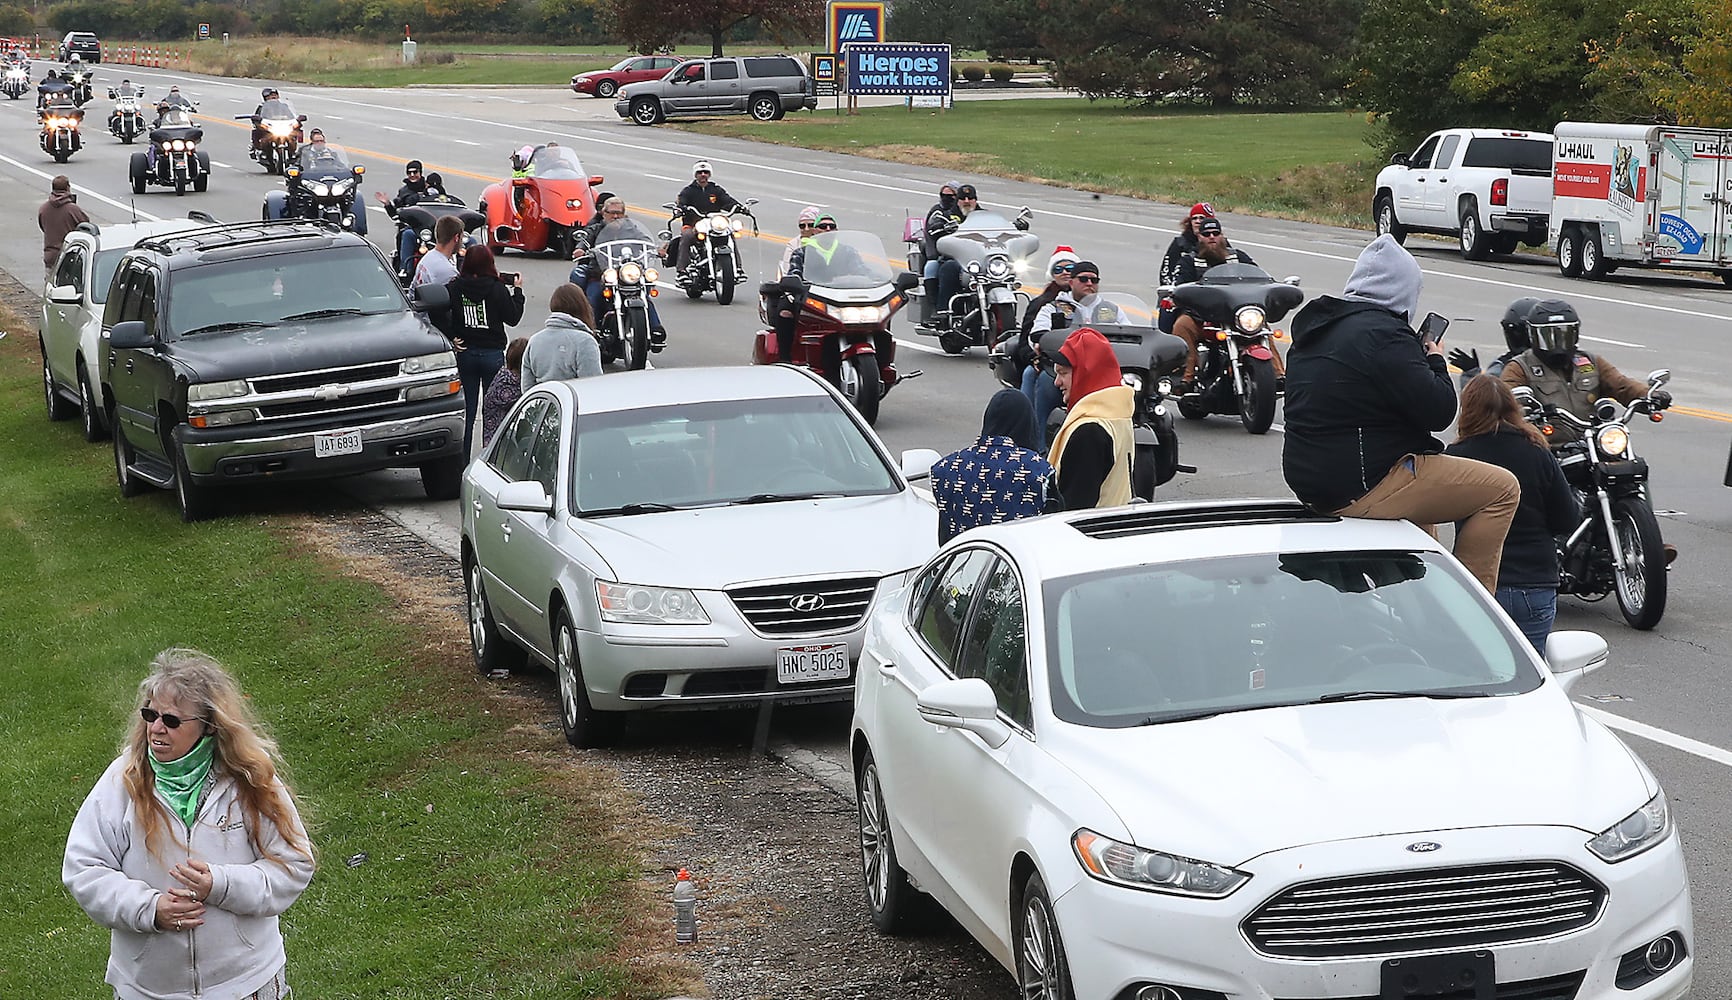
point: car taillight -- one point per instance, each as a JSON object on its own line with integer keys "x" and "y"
{"x": 1500, "y": 191}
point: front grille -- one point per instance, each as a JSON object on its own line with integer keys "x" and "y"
{"x": 1563, "y": 987}
{"x": 749, "y": 680}
{"x": 1439, "y": 909}
{"x": 312, "y": 380}
{"x": 812, "y": 607}
{"x": 312, "y": 407}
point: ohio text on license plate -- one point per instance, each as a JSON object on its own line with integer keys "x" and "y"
{"x": 330, "y": 444}
{"x": 800, "y": 664}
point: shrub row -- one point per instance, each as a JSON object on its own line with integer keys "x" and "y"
{"x": 975, "y": 72}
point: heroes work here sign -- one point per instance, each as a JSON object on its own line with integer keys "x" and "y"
{"x": 898, "y": 69}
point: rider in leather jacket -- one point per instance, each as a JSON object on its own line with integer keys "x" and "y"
{"x": 1212, "y": 249}
{"x": 1562, "y": 375}
{"x": 585, "y": 275}
{"x": 413, "y": 190}
{"x": 697, "y": 199}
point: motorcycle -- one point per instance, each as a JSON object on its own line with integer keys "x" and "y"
{"x": 845, "y": 299}
{"x": 81, "y": 81}
{"x": 422, "y": 217}
{"x": 127, "y": 121}
{"x": 174, "y": 159}
{"x": 622, "y": 254}
{"x": 1617, "y": 548}
{"x": 16, "y": 83}
{"x": 60, "y": 136}
{"x": 279, "y": 144}
{"x": 1236, "y": 303}
{"x": 714, "y": 259}
{"x": 991, "y": 250}
{"x": 543, "y": 210}
{"x": 322, "y": 184}
{"x": 1149, "y": 363}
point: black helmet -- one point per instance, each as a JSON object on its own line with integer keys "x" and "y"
{"x": 1515, "y": 324}
{"x": 268, "y": 93}
{"x": 1553, "y": 327}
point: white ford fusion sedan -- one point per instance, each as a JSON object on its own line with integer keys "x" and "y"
{"x": 686, "y": 538}
{"x": 1239, "y": 750}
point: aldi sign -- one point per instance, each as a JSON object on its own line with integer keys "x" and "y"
{"x": 899, "y": 69}
{"x": 851, "y": 21}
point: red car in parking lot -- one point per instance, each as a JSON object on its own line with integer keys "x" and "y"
{"x": 606, "y": 82}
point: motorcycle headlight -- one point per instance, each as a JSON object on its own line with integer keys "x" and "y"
{"x": 627, "y": 603}
{"x": 631, "y": 272}
{"x": 998, "y": 267}
{"x": 974, "y": 267}
{"x": 424, "y": 363}
{"x": 426, "y": 235}
{"x": 1249, "y": 318}
{"x": 1613, "y": 440}
{"x": 739, "y": 225}
{"x": 319, "y": 188}
{"x": 611, "y": 276}
{"x": 652, "y": 275}
{"x": 280, "y": 130}
{"x": 1134, "y": 381}
{"x": 343, "y": 185}
{"x": 1636, "y": 832}
{"x": 1138, "y": 868}
{"x": 177, "y": 145}
{"x": 204, "y": 392}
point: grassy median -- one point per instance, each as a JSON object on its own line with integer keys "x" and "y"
{"x": 496, "y": 864}
{"x": 1313, "y": 166}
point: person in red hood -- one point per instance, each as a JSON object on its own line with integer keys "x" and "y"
{"x": 58, "y": 216}
{"x": 1091, "y": 455}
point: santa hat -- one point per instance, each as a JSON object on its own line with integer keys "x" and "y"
{"x": 1061, "y": 254}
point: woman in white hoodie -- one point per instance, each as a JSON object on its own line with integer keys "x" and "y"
{"x": 190, "y": 845}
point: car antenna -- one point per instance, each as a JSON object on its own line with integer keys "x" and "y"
{"x": 133, "y": 202}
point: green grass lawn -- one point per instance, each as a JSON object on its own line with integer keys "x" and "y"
{"x": 466, "y": 69}
{"x": 1314, "y": 166}
{"x": 497, "y": 867}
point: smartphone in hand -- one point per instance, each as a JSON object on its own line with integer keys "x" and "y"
{"x": 1431, "y": 328}
{"x": 513, "y": 278}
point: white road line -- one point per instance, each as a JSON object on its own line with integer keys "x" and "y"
{"x": 81, "y": 189}
{"x": 340, "y": 118}
{"x": 922, "y": 348}
{"x": 393, "y": 128}
{"x": 466, "y": 142}
{"x": 1608, "y": 340}
{"x": 219, "y": 163}
{"x": 1706, "y": 751}
{"x": 660, "y": 177}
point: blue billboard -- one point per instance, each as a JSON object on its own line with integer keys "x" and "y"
{"x": 898, "y": 69}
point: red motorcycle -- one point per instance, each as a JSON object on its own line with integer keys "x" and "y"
{"x": 844, "y": 298}
{"x": 544, "y": 209}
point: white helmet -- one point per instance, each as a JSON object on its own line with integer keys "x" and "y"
{"x": 701, "y": 167}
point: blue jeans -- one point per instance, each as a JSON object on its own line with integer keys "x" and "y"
{"x": 597, "y": 305}
{"x": 1042, "y": 393}
{"x": 406, "y": 248}
{"x": 476, "y": 367}
{"x": 1533, "y": 609}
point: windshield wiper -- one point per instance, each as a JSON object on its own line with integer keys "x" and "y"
{"x": 632, "y": 508}
{"x": 243, "y": 324}
{"x": 322, "y": 313}
{"x": 1335, "y": 696}
{"x": 780, "y": 497}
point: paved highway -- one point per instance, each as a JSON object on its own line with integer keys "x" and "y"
{"x": 1664, "y": 689}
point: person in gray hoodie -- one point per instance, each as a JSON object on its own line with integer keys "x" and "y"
{"x": 564, "y": 347}
{"x": 190, "y": 845}
{"x": 1364, "y": 400}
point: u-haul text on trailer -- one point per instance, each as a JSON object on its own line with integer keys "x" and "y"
{"x": 1641, "y": 196}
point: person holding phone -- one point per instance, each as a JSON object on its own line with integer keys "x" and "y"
{"x": 482, "y": 306}
{"x": 1365, "y": 397}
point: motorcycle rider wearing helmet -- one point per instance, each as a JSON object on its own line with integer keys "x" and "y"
{"x": 53, "y": 90}
{"x": 1184, "y": 243}
{"x": 1212, "y": 249}
{"x": 266, "y": 95}
{"x": 1515, "y": 337}
{"x": 697, "y": 199}
{"x": 1562, "y": 375}
{"x": 586, "y": 275}
{"x": 785, "y": 319}
{"x": 414, "y": 189}
{"x": 949, "y": 271}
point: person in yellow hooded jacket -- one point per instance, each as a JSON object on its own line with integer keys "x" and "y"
{"x": 1091, "y": 454}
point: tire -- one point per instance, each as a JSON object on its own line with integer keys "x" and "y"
{"x": 61, "y": 156}
{"x": 1475, "y": 244}
{"x": 891, "y": 899}
{"x": 725, "y": 289}
{"x": 490, "y": 649}
{"x": 442, "y": 479}
{"x": 584, "y": 727}
{"x": 1257, "y": 403}
{"x": 1143, "y": 471}
{"x": 1384, "y": 221}
{"x": 201, "y": 183}
{"x": 1641, "y": 590}
{"x": 1504, "y": 244}
{"x": 1570, "y": 253}
{"x": 635, "y": 341}
{"x": 646, "y": 111}
{"x": 1593, "y": 256}
{"x": 1003, "y": 322}
{"x": 1726, "y": 278}
{"x": 196, "y": 502}
{"x": 94, "y": 430}
{"x": 130, "y": 485}
{"x": 763, "y": 107}
{"x": 861, "y": 385}
{"x": 1191, "y": 411}
{"x": 606, "y": 89}
{"x": 57, "y": 406}
{"x": 180, "y": 186}
{"x": 1042, "y": 969}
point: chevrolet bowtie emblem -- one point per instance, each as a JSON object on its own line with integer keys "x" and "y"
{"x": 330, "y": 392}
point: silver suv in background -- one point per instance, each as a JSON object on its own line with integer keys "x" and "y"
{"x": 765, "y": 87}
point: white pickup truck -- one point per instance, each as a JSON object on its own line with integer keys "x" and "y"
{"x": 1489, "y": 188}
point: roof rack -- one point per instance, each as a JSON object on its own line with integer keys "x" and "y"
{"x": 1143, "y": 519}
{"x": 231, "y": 234}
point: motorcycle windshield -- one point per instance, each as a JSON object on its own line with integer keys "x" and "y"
{"x": 621, "y": 241}
{"x": 276, "y": 110}
{"x": 176, "y": 118}
{"x": 126, "y": 90}
{"x": 556, "y": 163}
{"x": 323, "y": 159}
{"x": 1122, "y": 309}
{"x": 984, "y": 234}
{"x": 845, "y": 259}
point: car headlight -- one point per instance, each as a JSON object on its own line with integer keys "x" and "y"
{"x": 625, "y": 602}
{"x": 318, "y": 188}
{"x": 1249, "y": 318}
{"x": 1613, "y": 440}
{"x": 424, "y": 363}
{"x": 1137, "y": 868}
{"x": 222, "y": 418}
{"x": 203, "y": 392}
{"x": 1134, "y": 381}
{"x": 1636, "y": 832}
{"x": 630, "y": 272}
{"x": 998, "y": 267}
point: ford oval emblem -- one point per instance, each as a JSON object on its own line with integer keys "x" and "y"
{"x": 1424, "y": 846}
{"x": 807, "y": 603}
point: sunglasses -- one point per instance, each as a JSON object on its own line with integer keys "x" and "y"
{"x": 827, "y": 226}
{"x": 1061, "y": 270}
{"x": 413, "y": 173}
{"x": 966, "y": 197}
{"x": 1087, "y": 279}
{"x": 150, "y": 715}
{"x": 808, "y": 225}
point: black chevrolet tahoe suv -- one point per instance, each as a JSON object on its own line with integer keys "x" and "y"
{"x": 262, "y": 351}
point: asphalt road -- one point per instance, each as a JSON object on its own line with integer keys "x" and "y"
{"x": 1664, "y": 689}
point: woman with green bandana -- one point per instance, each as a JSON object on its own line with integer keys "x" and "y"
{"x": 190, "y": 845}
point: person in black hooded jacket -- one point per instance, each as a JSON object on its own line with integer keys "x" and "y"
{"x": 482, "y": 306}
{"x": 1364, "y": 398}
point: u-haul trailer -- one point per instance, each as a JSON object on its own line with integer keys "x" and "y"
{"x": 1641, "y": 196}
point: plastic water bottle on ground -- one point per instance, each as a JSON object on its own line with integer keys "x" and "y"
{"x": 685, "y": 908}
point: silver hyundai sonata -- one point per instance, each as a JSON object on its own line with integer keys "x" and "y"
{"x": 686, "y": 538}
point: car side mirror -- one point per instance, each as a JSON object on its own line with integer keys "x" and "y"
{"x": 130, "y": 335}
{"x": 1398, "y": 160}
{"x": 968, "y": 704}
{"x": 527, "y": 496}
{"x": 1291, "y": 279}
{"x": 430, "y": 297}
{"x": 907, "y": 281}
{"x": 917, "y": 463}
{"x": 595, "y": 179}
{"x": 1572, "y": 655}
{"x": 300, "y": 118}
{"x": 65, "y": 295}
